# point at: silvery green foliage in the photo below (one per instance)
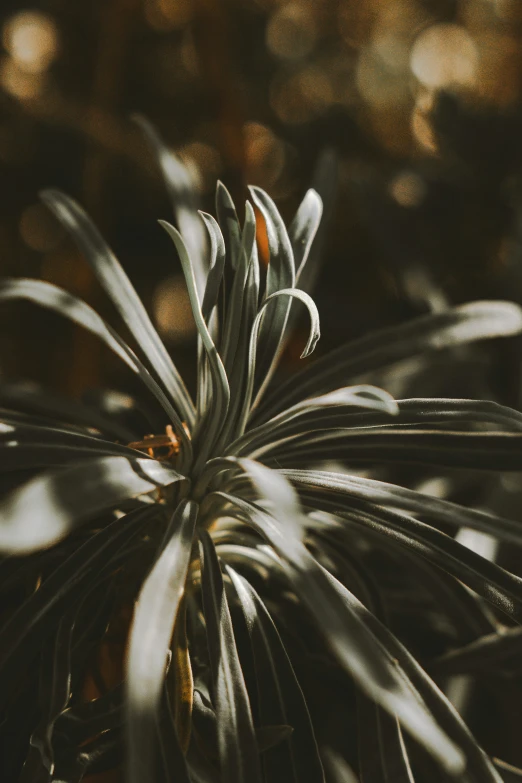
(229, 534)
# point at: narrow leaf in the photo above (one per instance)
(233, 319)
(236, 736)
(54, 298)
(464, 324)
(229, 223)
(280, 275)
(429, 507)
(118, 286)
(182, 191)
(47, 508)
(309, 415)
(255, 334)
(216, 414)
(279, 693)
(471, 450)
(21, 635)
(150, 637)
(498, 586)
(217, 265)
(303, 228)
(350, 640)
(478, 764)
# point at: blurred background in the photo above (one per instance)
(415, 103)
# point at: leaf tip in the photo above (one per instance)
(49, 195)
(137, 118)
(311, 344)
(166, 225)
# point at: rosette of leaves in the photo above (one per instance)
(214, 553)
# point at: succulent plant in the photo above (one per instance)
(162, 589)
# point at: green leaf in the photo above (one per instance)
(350, 640)
(236, 736)
(325, 182)
(24, 447)
(242, 313)
(338, 769)
(281, 269)
(478, 764)
(304, 227)
(229, 223)
(118, 286)
(463, 609)
(208, 428)
(55, 685)
(430, 508)
(376, 730)
(443, 414)
(217, 266)
(317, 203)
(374, 352)
(498, 586)
(280, 276)
(209, 303)
(488, 653)
(215, 275)
(204, 723)
(151, 632)
(469, 450)
(422, 413)
(89, 718)
(382, 753)
(174, 764)
(182, 192)
(255, 335)
(54, 298)
(310, 414)
(235, 306)
(280, 697)
(40, 406)
(510, 773)
(32, 622)
(46, 509)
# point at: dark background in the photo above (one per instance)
(418, 99)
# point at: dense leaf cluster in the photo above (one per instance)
(167, 596)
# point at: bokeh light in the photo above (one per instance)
(499, 76)
(21, 84)
(164, 15)
(445, 55)
(265, 154)
(204, 162)
(188, 53)
(302, 95)
(39, 229)
(393, 51)
(508, 10)
(31, 38)
(408, 189)
(291, 31)
(421, 127)
(172, 310)
(379, 84)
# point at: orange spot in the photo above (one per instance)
(168, 441)
(262, 238)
